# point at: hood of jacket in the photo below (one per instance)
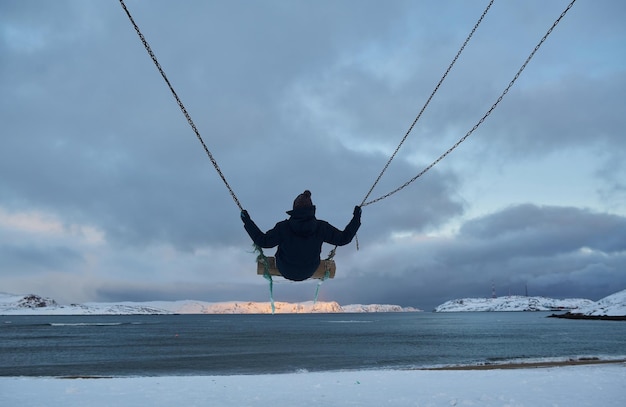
(302, 221)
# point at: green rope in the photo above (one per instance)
(319, 283)
(268, 277)
(326, 273)
(266, 273)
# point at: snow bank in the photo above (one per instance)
(573, 386)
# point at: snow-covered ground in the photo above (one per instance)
(571, 386)
(11, 304)
(614, 305)
(513, 303)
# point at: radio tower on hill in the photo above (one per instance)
(493, 290)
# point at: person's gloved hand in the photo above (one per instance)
(245, 216)
(357, 212)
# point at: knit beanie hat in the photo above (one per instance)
(303, 200)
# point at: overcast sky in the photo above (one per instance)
(106, 194)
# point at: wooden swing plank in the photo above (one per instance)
(319, 273)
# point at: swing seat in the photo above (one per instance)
(319, 273)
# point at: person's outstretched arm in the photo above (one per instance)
(343, 237)
(264, 240)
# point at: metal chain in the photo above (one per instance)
(428, 101)
(180, 104)
(506, 90)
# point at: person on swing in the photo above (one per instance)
(299, 238)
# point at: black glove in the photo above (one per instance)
(244, 216)
(357, 212)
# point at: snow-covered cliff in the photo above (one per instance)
(11, 304)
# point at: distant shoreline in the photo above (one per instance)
(569, 315)
(530, 365)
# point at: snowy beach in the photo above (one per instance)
(567, 386)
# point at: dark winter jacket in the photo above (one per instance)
(299, 240)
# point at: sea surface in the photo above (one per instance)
(155, 345)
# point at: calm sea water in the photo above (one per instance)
(261, 344)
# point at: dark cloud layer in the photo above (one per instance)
(549, 251)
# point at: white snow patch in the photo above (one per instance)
(572, 386)
(512, 303)
(614, 305)
(11, 304)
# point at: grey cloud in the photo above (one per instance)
(550, 229)
(293, 96)
(553, 251)
(31, 260)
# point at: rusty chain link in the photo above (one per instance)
(180, 104)
(462, 139)
(364, 203)
(428, 101)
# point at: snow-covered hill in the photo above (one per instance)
(512, 303)
(31, 304)
(612, 306)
